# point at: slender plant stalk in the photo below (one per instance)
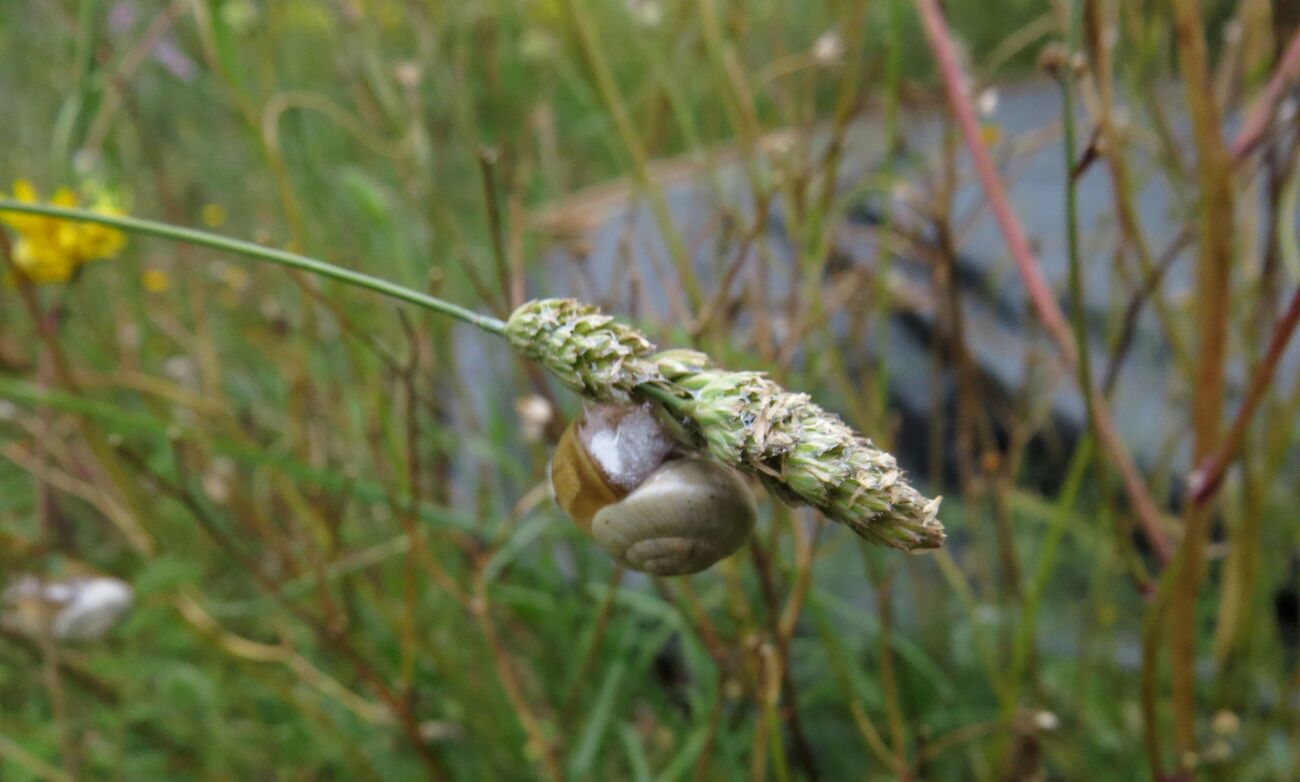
(1062, 514)
(894, 12)
(270, 254)
(94, 439)
(15, 753)
(803, 751)
(607, 86)
(1040, 293)
(1113, 143)
(487, 164)
(1212, 296)
(888, 675)
(540, 746)
(1075, 253)
(1208, 476)
(1153, 631)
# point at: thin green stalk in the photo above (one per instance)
(1078, 321)
(270, 254)
(607, 86)
(885, 254)
(1061, 515)
(1113, 149)
(21, 757)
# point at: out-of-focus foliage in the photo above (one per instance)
(344, 560)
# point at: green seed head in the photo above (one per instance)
(801, 453)
(593, 354)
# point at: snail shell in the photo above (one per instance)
(81, 608)
(618, 475)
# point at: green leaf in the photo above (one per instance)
(597, 723)
(165, 574)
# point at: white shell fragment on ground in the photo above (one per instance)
(72, 609)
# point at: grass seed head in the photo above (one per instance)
(799, 451)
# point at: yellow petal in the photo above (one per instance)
(41, 263)
(64, 197)
(24, 190)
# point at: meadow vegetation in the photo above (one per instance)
(332, 507)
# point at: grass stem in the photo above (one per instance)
(284, 258)
(1040, 292)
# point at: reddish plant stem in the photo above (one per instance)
(1040, 292)
(1261, 113)
(1207, 477)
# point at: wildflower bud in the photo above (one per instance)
(828, 49)
(799, 451)
(534, 412)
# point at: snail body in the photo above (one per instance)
(622, 480)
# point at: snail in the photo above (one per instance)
(79, 608)
(622, 479)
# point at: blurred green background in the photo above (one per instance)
(345, 562)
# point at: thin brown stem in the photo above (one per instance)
(1213, 298)
(803, 752)
(1148, 291)
(541, 746)
(888, 675)
(1208, 475)
(487, 164)
(1040, 293)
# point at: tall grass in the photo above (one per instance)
(345, 559)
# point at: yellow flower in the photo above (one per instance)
(24, 224)
(156, 281)
(96, 242)
(213, 215)
(41, 262)
(51, 250)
